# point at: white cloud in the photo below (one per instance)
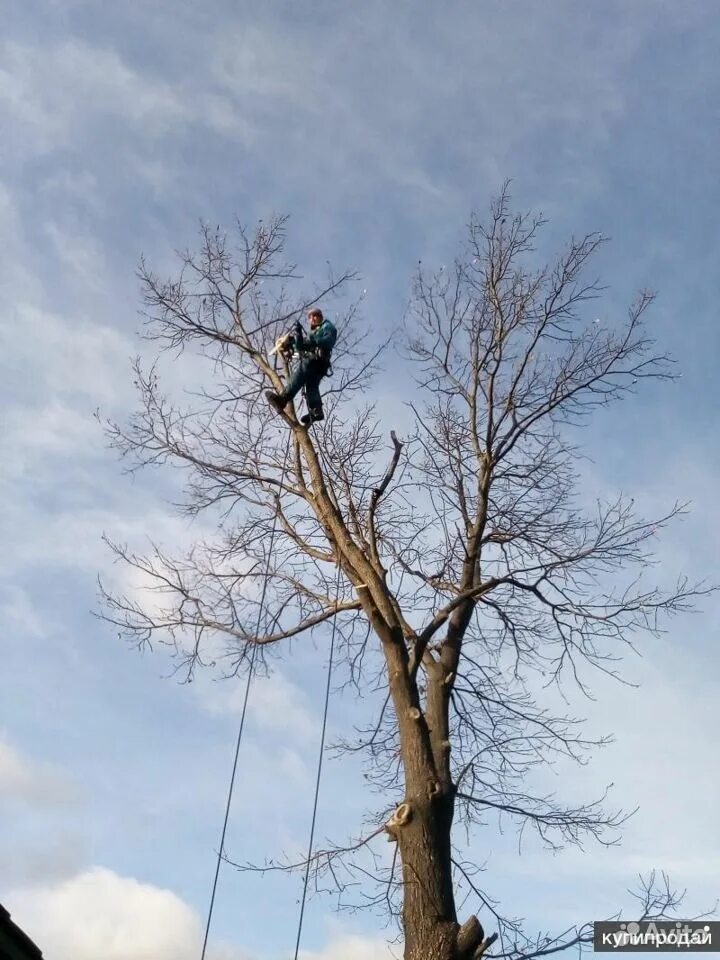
(53, 854)
(55, 92)
(101, 914)
(34, 436)
(17, 279)
(98, 913)
(280, 704)
(260, 63)
(666, 742)
(275, 703)
(52, 90)
(354, 948)
(662, 763)
(30, 783)
(17, 610)
(363, 135)
(71, 538)
(78, 358)
(79, 255)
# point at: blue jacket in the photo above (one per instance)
(323, 337)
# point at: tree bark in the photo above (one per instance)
(429, 917)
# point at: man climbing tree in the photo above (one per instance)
(314, 355)
(464, 564)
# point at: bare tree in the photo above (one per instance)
(459, 563)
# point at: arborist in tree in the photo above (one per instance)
(313, 350)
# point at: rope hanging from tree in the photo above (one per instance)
(241, 727)
(319, 770)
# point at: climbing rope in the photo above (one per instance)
(251, 669)
(241, 728)
(319, 768)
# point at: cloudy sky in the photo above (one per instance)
(378, 127)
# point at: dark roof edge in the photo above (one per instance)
(18, 935)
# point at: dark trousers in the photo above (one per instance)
(308, 373)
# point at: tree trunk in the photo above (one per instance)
(429, 918)
(423, 822)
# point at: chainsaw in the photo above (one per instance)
(284, 346)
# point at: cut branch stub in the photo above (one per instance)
(401, 817)
(414, 713)
(470, 937)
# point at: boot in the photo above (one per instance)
(312, 416)
(276, 400)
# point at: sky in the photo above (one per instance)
(378, 127)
